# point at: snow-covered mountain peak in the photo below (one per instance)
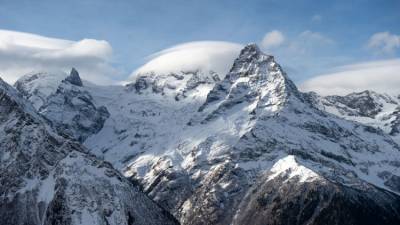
(248, 62)
(256, 80)
(250, 49)
(260, 69)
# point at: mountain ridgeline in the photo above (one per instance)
(242, 148)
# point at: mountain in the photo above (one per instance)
(48, 179)
(247, 149)
(368, 107)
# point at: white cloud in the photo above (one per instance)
(272, 39)
(381, 76)
(311, 36)
(305, 52)
(308, 42)
(21, 53)
(316, 18)
(203, 55)
(384, 43)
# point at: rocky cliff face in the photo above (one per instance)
(250, 148)
(47, 179)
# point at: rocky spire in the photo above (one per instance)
(74, 78)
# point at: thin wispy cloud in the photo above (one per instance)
(316, 37)
(316, 18)
(308, 42)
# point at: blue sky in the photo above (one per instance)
(318, 35)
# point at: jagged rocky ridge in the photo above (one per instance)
(367, 107)
(47, 179)
(249, 149)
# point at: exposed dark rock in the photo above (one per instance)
(318, 202)
(74, 78)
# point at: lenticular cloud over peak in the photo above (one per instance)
(200, 55)
(22, 53)
(381, 76)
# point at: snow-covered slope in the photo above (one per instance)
(148, 115)
(219, 151)
(38, 86)
(47, 179)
